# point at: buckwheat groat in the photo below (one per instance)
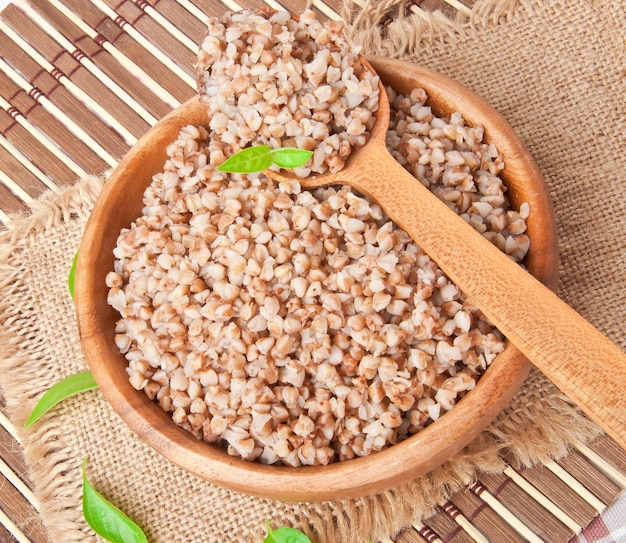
(268, 79)
(304, 327)
(451, 159)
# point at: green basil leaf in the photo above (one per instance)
(249, 160)
(290, 157)
(289, 535)
(70, 277)
(284, 535)
(106, 519)
(73, 384)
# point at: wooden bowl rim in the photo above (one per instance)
(349, 479)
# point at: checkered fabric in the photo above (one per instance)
(610, 527)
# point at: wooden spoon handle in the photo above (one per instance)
(575, 356)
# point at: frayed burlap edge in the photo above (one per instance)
(388, 29)
(71, 201)
(58, 489)
(538, 426)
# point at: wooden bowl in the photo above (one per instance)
(121, 202)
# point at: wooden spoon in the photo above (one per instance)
(574, 355)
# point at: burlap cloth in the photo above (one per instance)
(556, 71)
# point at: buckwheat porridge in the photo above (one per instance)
(304, 327)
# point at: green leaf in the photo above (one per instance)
(260, 157)
(249, 160)
(79, 382)
(106, 519)
(284, 535)
(70, 277)
(290, 157)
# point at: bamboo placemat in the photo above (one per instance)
(79, 83)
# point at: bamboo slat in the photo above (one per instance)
(19, 514)
(528, 511)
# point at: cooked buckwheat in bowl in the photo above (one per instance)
(294, 343)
